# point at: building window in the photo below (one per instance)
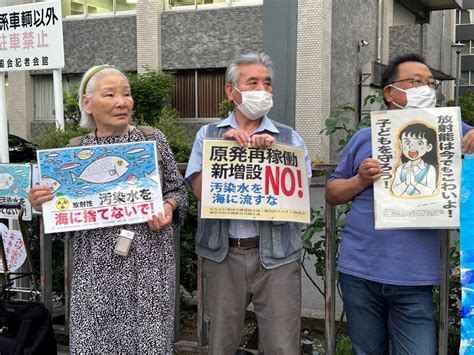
(465, 78)
(465, 17)
(468, 48)
(43, 97)
(44, 94)
(189, 4)
(85, 8)
(198, 93)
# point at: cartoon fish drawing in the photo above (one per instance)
(52, 155)
(104, 169)
(53, 184)
(68, 166)
(19, 171)
(131, 180)
(135, 151)
(6, 181)
(145, 156)
(85, 154)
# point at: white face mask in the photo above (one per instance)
(419, 97)
(255, 104)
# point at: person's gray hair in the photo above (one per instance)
(233, 71)
(88, 86)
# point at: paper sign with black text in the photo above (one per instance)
(420, 155)
(254, 184)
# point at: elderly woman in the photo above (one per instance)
(122, 305)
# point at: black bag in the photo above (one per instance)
(26, 328)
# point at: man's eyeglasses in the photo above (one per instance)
(417, 82)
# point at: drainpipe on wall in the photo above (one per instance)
(421, 39)
(379, 30)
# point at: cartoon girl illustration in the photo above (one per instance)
(416, 174)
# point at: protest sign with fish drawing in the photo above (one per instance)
(97, 186)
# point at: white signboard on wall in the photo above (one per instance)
(31, 37)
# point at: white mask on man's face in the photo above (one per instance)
(419, 97)
(255, 104)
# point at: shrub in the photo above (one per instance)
(72, 114)
(175, 134)
(53, 137)
(225, 107)
(151, 92)
(344, 346)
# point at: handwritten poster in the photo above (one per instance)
(15, 182)
(467, 257)
(420, 153)
(254, 184)
(14, 247)
(100, 186)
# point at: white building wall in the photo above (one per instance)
(313, 75)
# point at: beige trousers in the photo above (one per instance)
(231, 285)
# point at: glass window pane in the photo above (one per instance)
(125, 5)
(211, 3)
(465, 18)
(100, 7)
(466, 48)
(247, 2)
(203, 2)
(178, 3)
(72, 7)
(464, 80)
(44, 97)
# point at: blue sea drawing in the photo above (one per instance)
(467, 256)
(15, 182)
(82, 171)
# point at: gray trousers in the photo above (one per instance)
(231, 285)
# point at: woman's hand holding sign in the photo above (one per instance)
(38, 195)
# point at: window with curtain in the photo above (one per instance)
(43, 97)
